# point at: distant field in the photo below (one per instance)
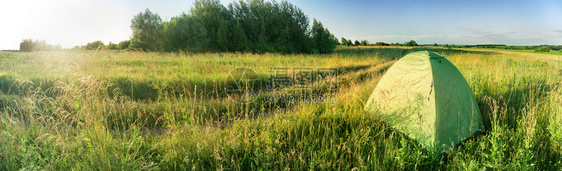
(105, 110)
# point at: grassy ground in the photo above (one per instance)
(101, 110)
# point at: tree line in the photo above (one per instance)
(28, 45)
(254, 26)
(539, 48)
(244, 26)
(536, 48)
(99, 45)
(349, 42)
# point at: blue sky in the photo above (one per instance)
(460, 22)
(70, 23)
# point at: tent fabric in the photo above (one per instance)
(425, 96)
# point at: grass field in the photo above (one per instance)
(105, 110)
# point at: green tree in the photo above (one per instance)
(223, 36)
(411, 43)
(435, 45)
(95, 45)
(178, 33)
(207, 16)
(39, 45)
(112, 46)
(542, 49)
(123, 45)
(324, 41)
(26, 45)
(252, 26)
(272, 26)
(344, 42)
(381, 44)
(356, 43)
(241, 42)
(146, 31)
(364, 42)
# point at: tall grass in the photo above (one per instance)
(133, 110)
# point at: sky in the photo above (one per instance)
(76, 22)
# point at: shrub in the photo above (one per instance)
(26, 45)
(95, 45)
(542, 49)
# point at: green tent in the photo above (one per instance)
(425, 96)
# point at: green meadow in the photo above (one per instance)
(111, 110)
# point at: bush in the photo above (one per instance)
(112, 46)
(124, 44)
(411, 43)
(28, 45)
(542, 49)
(95, 45)
(381, 44)
(364, 43)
